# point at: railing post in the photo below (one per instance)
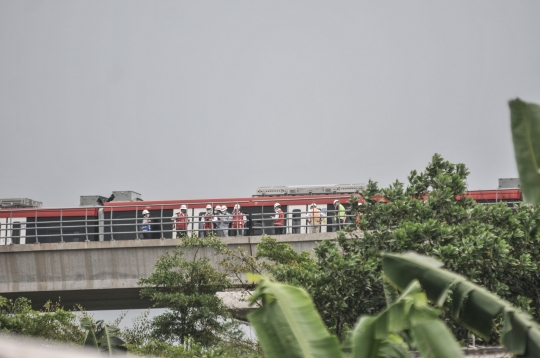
(111, 224)
(101, 224)
(86, 224)
(36, 228)
(11, 223)
(161, 222)
(262, 219)
(61, 228)
(137, 222)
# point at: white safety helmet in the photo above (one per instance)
(224, 208)
(313, 205)
(336, 201)
(144, 212)
(237, 206)
(218, 208)
(276, 205)
(209, 206)
(183, 207)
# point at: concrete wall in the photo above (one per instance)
(102, 275)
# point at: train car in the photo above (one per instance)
(43, 225)
(122, 220)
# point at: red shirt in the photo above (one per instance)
(280, 221)
(208, 221)
(238, 220)
(181, 221)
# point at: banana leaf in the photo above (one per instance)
(288, 325)
(111, 343)
(473, 305)
(525, 123)
(90, 339)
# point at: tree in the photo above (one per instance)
(496, 246)
(51, 322)
(287, 323)
(187, 288)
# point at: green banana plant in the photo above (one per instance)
(525, 123)
(288, 325)
(104, 337)
(472, 305)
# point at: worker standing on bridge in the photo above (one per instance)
(279, 220)
(146, 225)
(221, 220)
(238, 221)
(181, 220)
(340, 215)
(314, 219)
(208, 226)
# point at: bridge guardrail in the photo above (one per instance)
(107, 227)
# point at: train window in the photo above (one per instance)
(124, 227)
(16, 233)
(75, 238)
(296, 221)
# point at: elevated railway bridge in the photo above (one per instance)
(95, 254)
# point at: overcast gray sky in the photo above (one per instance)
(177, 99)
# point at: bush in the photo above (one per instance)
(496, 246)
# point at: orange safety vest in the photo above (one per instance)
(208, 221)
(281, 218)
(238, 220)
(181, 221)
(316, 216)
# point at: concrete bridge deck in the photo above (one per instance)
(102, 275)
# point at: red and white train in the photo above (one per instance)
(121, 220)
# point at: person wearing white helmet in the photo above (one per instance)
(222, 220)
(206, 220)
(340, 216)
(314, 218)
(146, 227)
(279, 220)
(181, 220)
(238, 221)
(215, 219)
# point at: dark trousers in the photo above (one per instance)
(279, 230)
(180, 233)
(340, 225)
(236, 232)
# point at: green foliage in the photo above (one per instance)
(188, 289)
(373, 336)
(102, 337)
(196, 322)
(191, 349)
(525, 122)
(496, 246)
(473, 305)
(288, 325)
(51, 322)
(282, 253)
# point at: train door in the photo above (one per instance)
(193, 225)
(324, 218)
(297, 219)
(12, 231)
(197, 224)
(3, 231)
(304, 221)
(18, 233)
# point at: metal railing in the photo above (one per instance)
(129, 225)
